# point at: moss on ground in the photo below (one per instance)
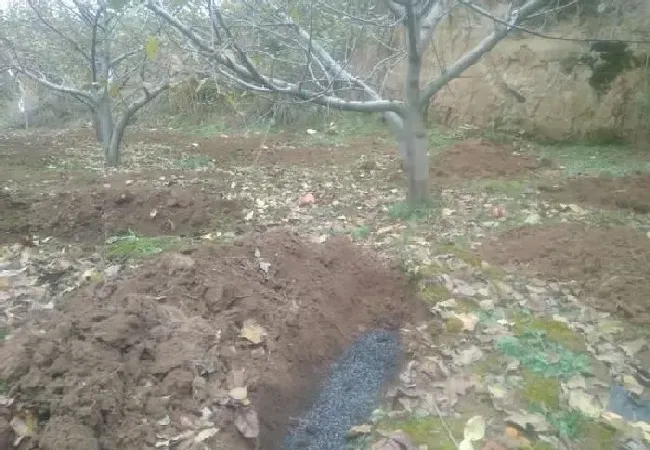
(454, 325)
(539, 390)
(434, 293)
(593, 435)
(491, 363)
(554, 330)
(429, 431)
(465, 254)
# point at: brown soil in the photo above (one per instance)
(93, 213)
(479, 159)
(108, 367)
(264, 150)
(605, 191)
(35, 149)
(611, 263)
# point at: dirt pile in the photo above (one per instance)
(95, 214)
(479, 159)
(610, 264)
(153, 358)
(606, 191)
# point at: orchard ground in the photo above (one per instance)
(189, 299)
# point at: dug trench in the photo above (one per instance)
(195, 347)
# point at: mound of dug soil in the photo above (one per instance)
(611, 263)
(162, 355)
(94, 214)
(606, 191)
(479, 159)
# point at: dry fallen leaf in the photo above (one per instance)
(247, 422)
(239, 393)
(359, 430)
(24, 426)
(511, 432)
(306, 199)
(466, 444)
(397, 440)
(498, 212)
(469, 355)
(523, 420)
(206, 434)
(468, 320)
(497, 391)
(252, 331)
(475, 429)
(494, 445)
(585, 403)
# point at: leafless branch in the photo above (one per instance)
(475, 54)
(247, 76)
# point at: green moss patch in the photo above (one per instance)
(465, 254)
(541, 391)
(429, 431)
(433, 293)
(454, 325)
(491, 363)
(553, 330)
(594, 435)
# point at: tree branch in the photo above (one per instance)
(148, 96)
(55, 87)
(249, 78)
(475, 54)
(75, 45)
(122, 57)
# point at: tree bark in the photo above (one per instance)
(105, 121)
(414, 133)
(112, 150)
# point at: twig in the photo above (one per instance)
(444, 424)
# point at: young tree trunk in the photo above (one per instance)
(414, 133)
(416, 163)
(105, 118)
(97, 125)
(112, 150)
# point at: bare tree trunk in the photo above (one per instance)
(97, 125)
(414, 134)
(113, 152)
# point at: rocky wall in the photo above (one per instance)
(549, 89)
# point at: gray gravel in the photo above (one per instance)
(349, 394)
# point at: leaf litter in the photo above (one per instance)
(342, 204)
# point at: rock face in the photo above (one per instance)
(549, 89)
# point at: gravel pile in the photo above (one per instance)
(349, 394)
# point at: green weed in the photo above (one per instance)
(403, 210)
(193, 162)
(360, 232)
(542, 356)
(553, 330)
(131, 245)
(615, 160)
